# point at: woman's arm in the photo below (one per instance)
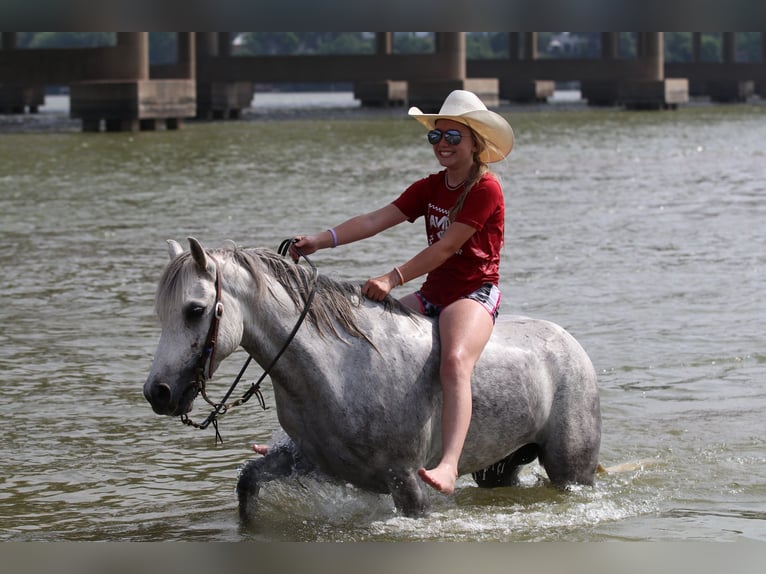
(368, 224)
(358, 227)
(425, 261)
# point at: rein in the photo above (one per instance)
(204, 370)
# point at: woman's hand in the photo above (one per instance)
(378, 287)
(306, 244)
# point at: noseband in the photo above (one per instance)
(204, 368)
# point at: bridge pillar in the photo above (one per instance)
(429, 94)
(696, 46)
(762, 78)
(136, 62)
(520, 88)
(382, 93)
(604, 91)
(220, 100)
(697, 87)
(126, 99)
(15, 98)
(649, 89)
(638, 84)
(730, 90)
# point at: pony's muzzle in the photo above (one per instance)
(160, 396)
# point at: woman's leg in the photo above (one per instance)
(411, 300)
(464, 329)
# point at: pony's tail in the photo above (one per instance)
(627, 466)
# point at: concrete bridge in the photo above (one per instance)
(115, 86)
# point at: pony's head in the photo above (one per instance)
(200, 327)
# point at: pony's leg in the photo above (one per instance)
(279, 462)
(506, 471)
(571, 469)
(570, 460)
(409, 495)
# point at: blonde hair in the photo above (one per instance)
(478, 169)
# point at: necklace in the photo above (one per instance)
(452, 187)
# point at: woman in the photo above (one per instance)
(464, 214)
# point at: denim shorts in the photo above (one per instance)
(488, 295)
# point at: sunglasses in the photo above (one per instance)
(453, 137)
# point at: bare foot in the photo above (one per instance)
(261, 449)
(442, 478)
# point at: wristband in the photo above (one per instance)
(399, 273)
(334, 237)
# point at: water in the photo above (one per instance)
(642, 233)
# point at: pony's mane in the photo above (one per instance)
(335, 302)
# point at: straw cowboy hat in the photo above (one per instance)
(466, 108)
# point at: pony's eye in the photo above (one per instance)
(194, 311)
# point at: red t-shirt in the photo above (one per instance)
(478, 260)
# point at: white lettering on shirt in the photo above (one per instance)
(438, 223)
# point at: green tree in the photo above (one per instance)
(478, 46)
(628, 47)
(301, 43)
(711, 47)
(346, 43)
(749, 46)
(267, 43)
(414, 43)
(499, 43)
(67, 39)
(678, 46)
(163, 47)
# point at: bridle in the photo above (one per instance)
(204, 366)
(204, 369)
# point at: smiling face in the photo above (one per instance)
(456, 158)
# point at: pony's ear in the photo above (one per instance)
(198, 254)
(174, 249)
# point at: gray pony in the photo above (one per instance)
(357, 389)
